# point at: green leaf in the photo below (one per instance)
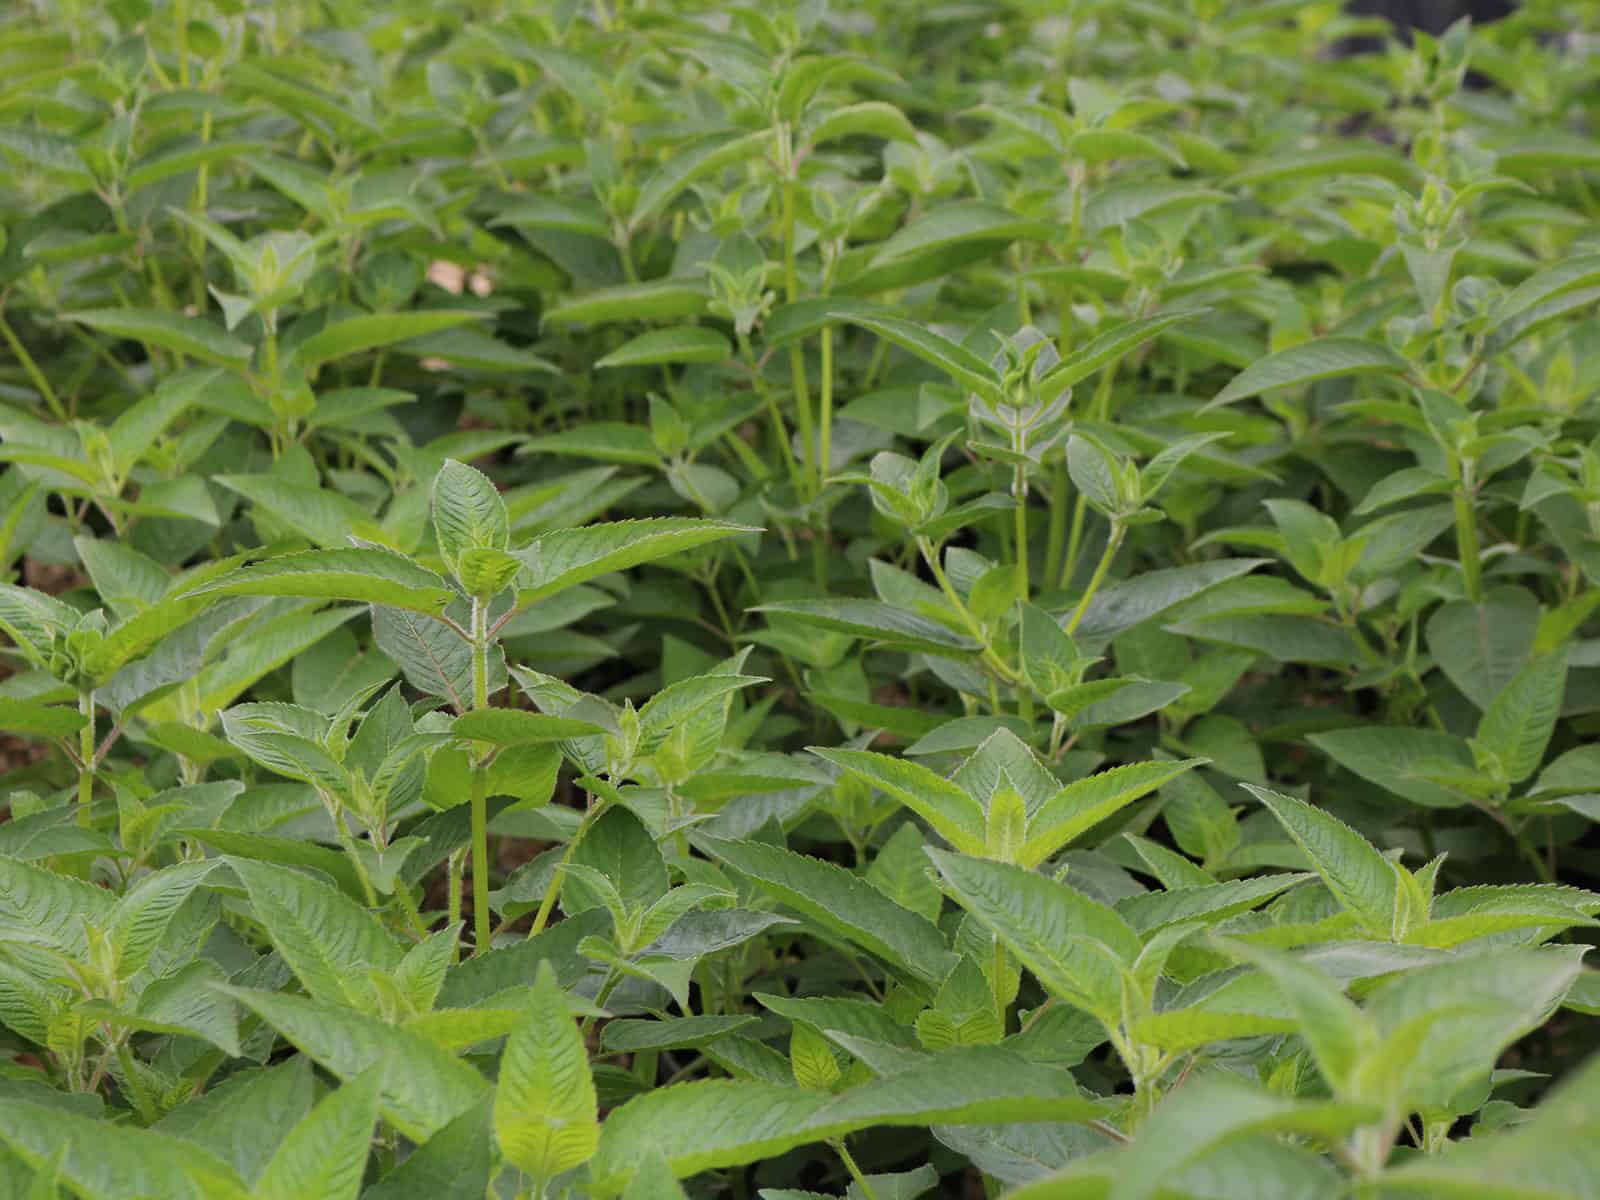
(454, 1164)
(545, 1111)
(1402, 760)
(1480, 647)
(1325, 358)
(100, 1160)
(1555, 1155)
(1082, 805)
(243, 1119)
(367, 575)
(685, 344)
(370, 331)
(1360, 878)
(808, 316)
(39, 720)
(657, 300)
(423, 1088)
(708, 1124)
(604, 441)
(320, 516)
(327, 939)
(710, 152)
(324, 1157)
(1108, 347)
(878, 622)
(1208, 1110)
(845, 906)
(433, 656)
(144, 912)
(870, 118)
(1519, 723)
(192, 336)
(1075, 946)
(518, 727)
(954, 814)
(1516, 314)
(565, 558)
(468, 513)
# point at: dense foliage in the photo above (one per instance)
(689, 600)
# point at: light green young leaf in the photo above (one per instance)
(708, 153)
(545, 1111)
(656, 300)
(518, 727)
(1107, 348)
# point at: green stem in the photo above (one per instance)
(180, 19)
(32, 368)
(86, 760)
(542, 917)
(855, 1171)
(791, 287)
(1113, 544)
(994, 662)
(454, 868)
(1467, 545)
(480, 862)
(480, 785)
(136, 1091)
(825, 402)
(1056, 536)
(1019, 492)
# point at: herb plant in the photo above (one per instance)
(666, 600)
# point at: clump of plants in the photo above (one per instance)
(664, 600)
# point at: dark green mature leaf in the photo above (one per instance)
(103, 1161)
(686, 344)
(808, 316)
(1404, 761)
(366, 575)
(356, 335)
(716, 1123)
(192, 336)
(326, 938)
(324, 1157)
(1326, 358)
(1076, 946)
(423, 1087)
(841, 904)
(565, 558)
